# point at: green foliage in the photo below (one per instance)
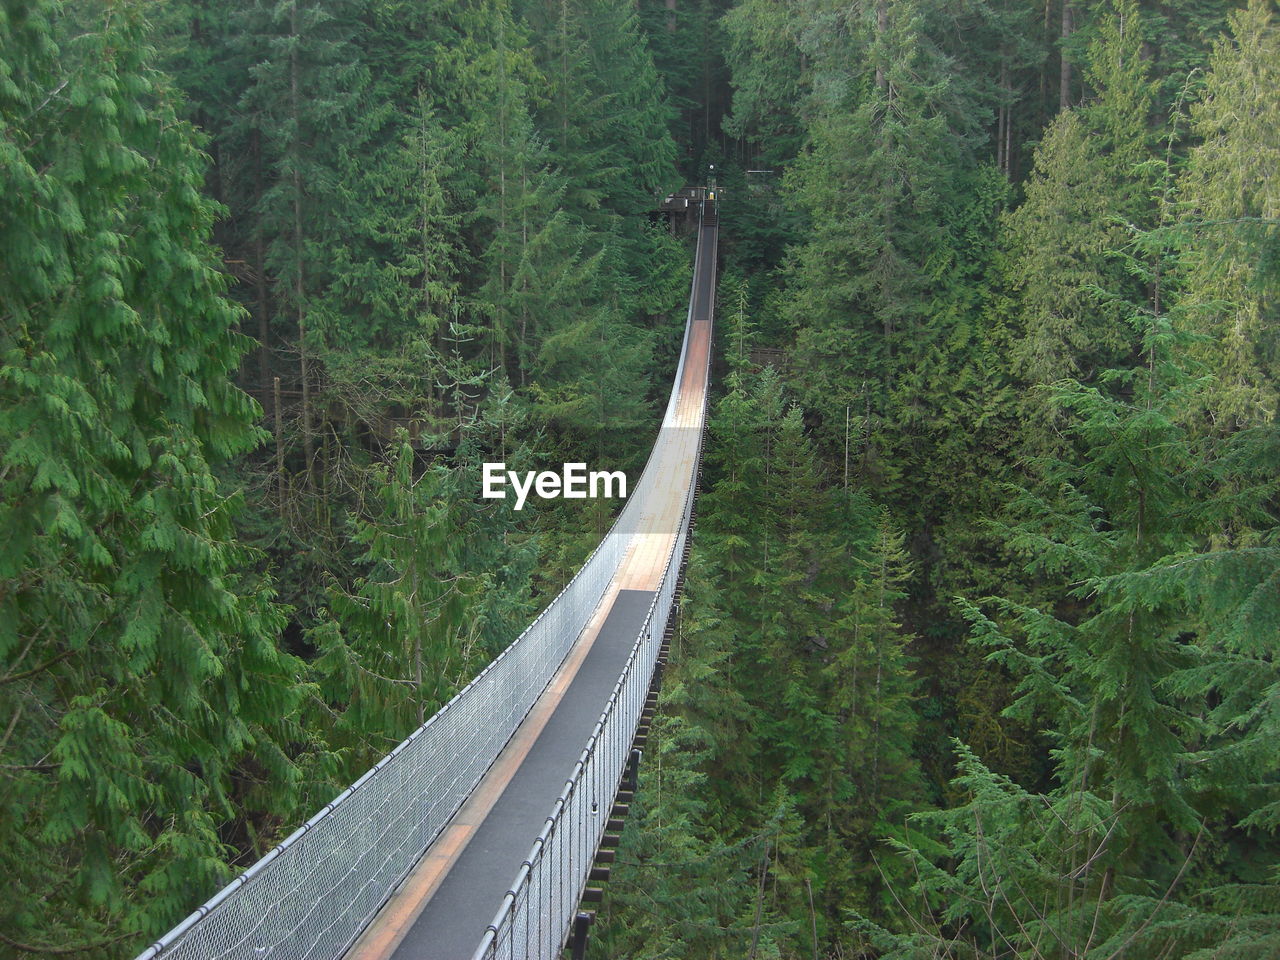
(400, 646)
(974, 349)
(1230, 219)
(797, 748)
(144, 700)
(681, 887)
(407, 241)
(1090, 186)
(1127, 850)
(767, 76)
(1062, 389)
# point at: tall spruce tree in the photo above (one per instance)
(768, 77)
(870, 689)
(308, 82)
(1118, 856)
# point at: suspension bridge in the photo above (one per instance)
(479, 836)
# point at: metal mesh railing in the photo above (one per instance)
(534, 920)
(311, 896)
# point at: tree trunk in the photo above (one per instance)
(426, 209)
(260, 284)
(522, 358)
(1002, 120)
(1044, 68)
(882, 25)
(308, 443)
(1064, 74)
(887, 146)
(496, 352)
(279, 418)
(1008, 142)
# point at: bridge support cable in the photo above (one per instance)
(311, 897)
(537, 915)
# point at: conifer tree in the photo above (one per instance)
(769, 81)
(681, 859)
(309, 83)
(149, 717)
(1089, 186)
(870, 685)
(1112, 857)
(739, 451)
(606, 114)
(1232, 208)
(407, 639)
(788, 599)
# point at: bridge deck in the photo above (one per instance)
(442, 909)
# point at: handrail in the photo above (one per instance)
(356, 850)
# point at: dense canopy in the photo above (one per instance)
(978, 657)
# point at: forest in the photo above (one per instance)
(978, 653)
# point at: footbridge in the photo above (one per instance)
(477, 836)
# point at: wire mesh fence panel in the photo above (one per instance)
(310, 897)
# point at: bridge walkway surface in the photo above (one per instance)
(442, 909)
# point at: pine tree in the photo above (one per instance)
(605, 116)
(789, 602)
(1113, 856)
(739, 453)
(309, 83)
(768, 77)
(870, 684)
(682, 885)
(885, 286)
(401, 645)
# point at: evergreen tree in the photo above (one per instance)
(870, 682)
(309, 81)
(1114, 857)
(606, 114)
(679, 860)
(149, 717)
(739, 452)
(1089, 187)
(407, 640)
(767, 68)
(1232, 204)
(885, 287)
